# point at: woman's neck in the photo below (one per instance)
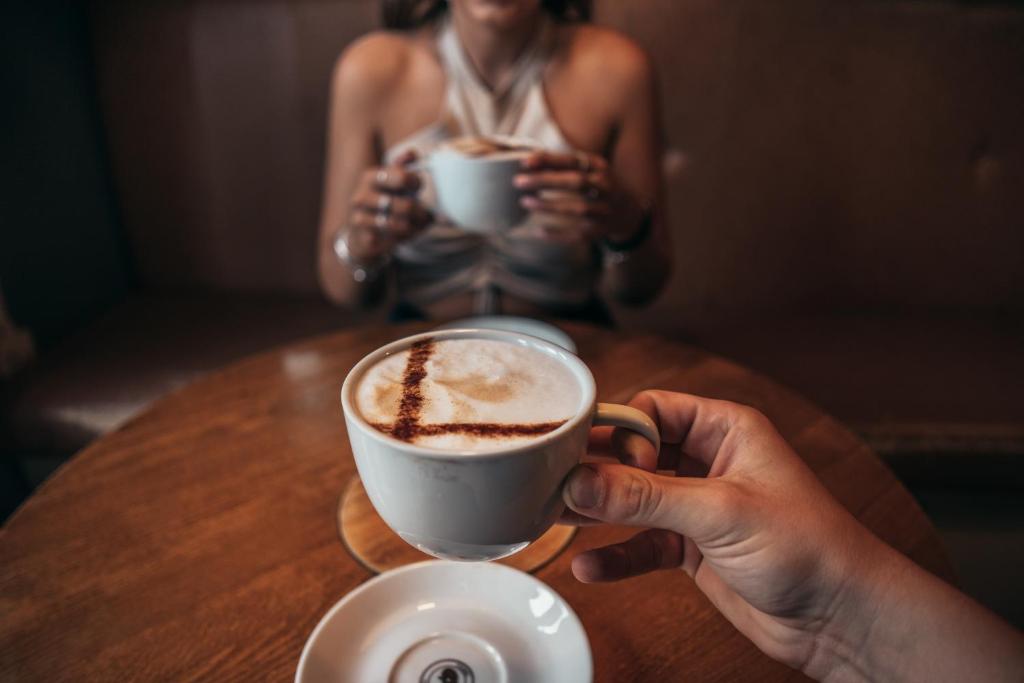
(493, 51)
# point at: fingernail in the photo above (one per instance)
(529, 202)
(585, 488)
(521, 180)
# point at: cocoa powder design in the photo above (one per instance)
(407, 426)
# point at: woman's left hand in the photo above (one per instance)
(576, 193)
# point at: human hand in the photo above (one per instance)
(741, 514)
(572, 193)
(385, 210)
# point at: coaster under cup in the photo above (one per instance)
(374, 545)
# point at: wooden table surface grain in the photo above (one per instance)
(198, 542)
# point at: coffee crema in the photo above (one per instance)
(479, 146)
(468, 394)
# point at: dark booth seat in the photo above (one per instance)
(913, 386)
(145, 347)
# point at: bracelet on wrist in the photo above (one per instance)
(361, 272)
(622, 248)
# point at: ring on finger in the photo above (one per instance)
(380, 221)
(384, 204)
(382, 176)
(583, 160)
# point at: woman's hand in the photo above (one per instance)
(385, 210)
(572, 193)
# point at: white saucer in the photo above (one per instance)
(449, 622)
(511, 323)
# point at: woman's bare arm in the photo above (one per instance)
(364, 79)
(637, 276)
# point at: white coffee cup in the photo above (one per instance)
(476, 192)
(477, 505)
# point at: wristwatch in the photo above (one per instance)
(617, 252)
(361, 272)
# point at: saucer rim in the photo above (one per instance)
(331, 613)
(472, 322)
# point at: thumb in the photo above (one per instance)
(626, 495)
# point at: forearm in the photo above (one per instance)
(637, 274)
(637, 279)
(900, 623)
(340, 285)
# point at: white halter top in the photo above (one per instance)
(444, 260)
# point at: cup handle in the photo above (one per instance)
(614, 415)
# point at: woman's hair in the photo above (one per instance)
(404, 14)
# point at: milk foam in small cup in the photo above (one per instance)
(463, 438)
(473, 180)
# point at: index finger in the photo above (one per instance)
(698, 425)
(558, 161)
(599, 442)
(395, 179)
(405, 158)
(609, 442)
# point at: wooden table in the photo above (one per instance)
(199, 542)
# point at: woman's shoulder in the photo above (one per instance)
(604, 68)
(376, 63)
(605, 54)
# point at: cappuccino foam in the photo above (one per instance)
(479, 146)
(468, 394)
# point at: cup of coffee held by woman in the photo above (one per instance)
(463, 438)
(473, 180)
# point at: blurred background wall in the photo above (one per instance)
(63, 259)
(882, 137)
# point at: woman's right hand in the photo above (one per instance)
(385, 210)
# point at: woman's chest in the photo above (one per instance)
(561, 101)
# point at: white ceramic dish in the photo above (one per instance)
(511, 323)
(448, 622)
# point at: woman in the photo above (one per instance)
(525, 68)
